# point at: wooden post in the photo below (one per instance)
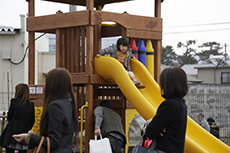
(89, 87)
(31, 67)
(89, 70)
(157, 45)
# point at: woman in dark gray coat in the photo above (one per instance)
(20, 119)
(58, 121)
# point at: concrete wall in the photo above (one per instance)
(213, 101)
(47, 61)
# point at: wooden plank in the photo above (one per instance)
(110, 31)
(31, 65)
(127, 20)
(75, 50)
(59, 20)
(68, 49)
(144, 34)
(64, 58)
(58, 48)
(72, 56)
(78, 39)
(97, 79)
(80, 78)
(83, 49)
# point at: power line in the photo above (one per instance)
(24, 56)
(195, 25)
(180, 32)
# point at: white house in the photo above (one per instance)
(14, 59)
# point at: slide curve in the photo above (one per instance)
(147, 100)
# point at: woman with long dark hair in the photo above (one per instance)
(58, 121)
(20, 119)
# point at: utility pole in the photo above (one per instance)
(225, 52)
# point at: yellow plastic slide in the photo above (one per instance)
(147, 100)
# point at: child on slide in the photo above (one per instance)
(123, 54)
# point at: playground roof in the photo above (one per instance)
(83, 2)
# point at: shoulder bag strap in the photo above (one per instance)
(40, 145)
(48, 144)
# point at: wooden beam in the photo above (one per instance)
(128, 21)
(31, 62)
(80, 78)
(144, 34)
(89, 4)
(59, 20)
(110, 31)
(157, 45)
(89, 87)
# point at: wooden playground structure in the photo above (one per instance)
(78, 39)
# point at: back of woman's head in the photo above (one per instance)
(122, 41)
(22, 91)
(173, 82)
(58, 84)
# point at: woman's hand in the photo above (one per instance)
(20, 137)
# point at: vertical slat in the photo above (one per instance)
(82, 95)
(75, 48)
(58, 48)
(78, 49)
(68, 58)
(65, 48)
(83, 36)
(72, 56)
(77, 109)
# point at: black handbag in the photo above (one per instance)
(141, 149)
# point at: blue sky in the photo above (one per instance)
(201, 20)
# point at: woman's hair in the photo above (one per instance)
(173, 82)
(58, 86)
(22, 91)
(122, 41)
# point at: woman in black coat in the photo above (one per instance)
(168, 126)
(59, 120)
(20, 119)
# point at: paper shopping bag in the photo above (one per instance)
(99, 146)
